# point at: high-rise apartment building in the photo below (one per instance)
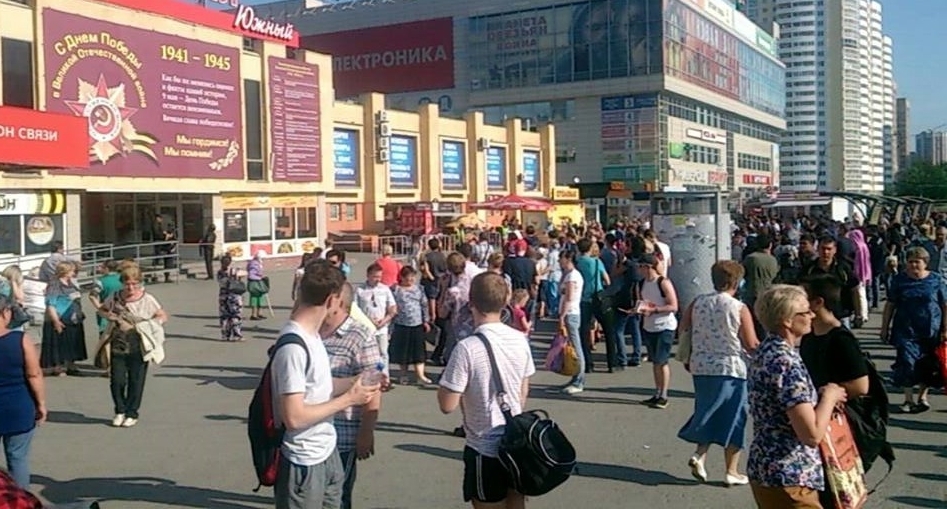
(902, 115)
(839, 93)
(931, 147)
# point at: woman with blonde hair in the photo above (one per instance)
(135, 338)
(789, 417)
(63, 328)
(721, 334)
(14, 284)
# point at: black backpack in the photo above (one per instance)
(535, 453)
(868, 417)
(660, 287)
(266, 437)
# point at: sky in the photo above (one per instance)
(920, 67)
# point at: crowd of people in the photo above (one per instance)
(773, 340)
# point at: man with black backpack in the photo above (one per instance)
(468, 377)
(305, 397)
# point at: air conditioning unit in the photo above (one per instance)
(384, 142)
(483, 144)
(384, 129)
(381, 116)
(384, 155)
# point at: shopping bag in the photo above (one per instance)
(844, 472)
(555, 353)
(570, 360)
(940, 352)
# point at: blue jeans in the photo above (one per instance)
(572, 329)
(16, 448)
(550, 291)
(629, 324)
(618, 331)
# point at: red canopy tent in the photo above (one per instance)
(514, 202)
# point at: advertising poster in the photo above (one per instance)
(700, 51)
(453, 165)
(345, 155)
(496, 168)
(579, 41)
(403, 164)
(294, 121)
(405, 57)
(531, 170)
(157, 105)
(630, 137)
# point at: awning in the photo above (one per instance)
(803, 203)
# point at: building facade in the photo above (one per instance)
(931, 147)
(839, 93)
(903, 127)
(652, 94)
(199, 121)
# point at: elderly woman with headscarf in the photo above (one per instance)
(258, 285)
(862, 273)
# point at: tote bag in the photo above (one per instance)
(844, 472)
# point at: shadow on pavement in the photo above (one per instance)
(926, 476)
(59, 417)
(147, 489)
(630, 474)
(246, 380)
(935, 427)
(226, 418)
(191, 336)
(410, 429)
(195, 317)
(431, 451)
(918, 502)
(941, 450)
(642, 391)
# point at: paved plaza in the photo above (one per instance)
(190, 448)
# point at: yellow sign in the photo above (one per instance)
(616, 186)
(265, 202)
(561, 193)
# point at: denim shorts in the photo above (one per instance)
(659, 345)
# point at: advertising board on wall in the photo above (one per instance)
(453, 165)
(404, 57)
(496, 168)
(345, 156)
(629, 136)
(403, 165)
(158, 105)
(47, 140)
(531, 177)
(295, 120)
(577, 41)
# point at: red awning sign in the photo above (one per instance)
(41, 139)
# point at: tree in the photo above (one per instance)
(924, 180)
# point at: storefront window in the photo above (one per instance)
(260, 223)
(335, 211)
(10, 235)
(235, 226)
(350, 212)
(285, 223)
(306, 222)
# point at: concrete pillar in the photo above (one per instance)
(73, 234)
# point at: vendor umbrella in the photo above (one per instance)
(514, 202)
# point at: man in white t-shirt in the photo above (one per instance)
(305, 401)
(467, 383)
(378, 303)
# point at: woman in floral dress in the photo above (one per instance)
(789, 417)
(230, 304)
(409, 326)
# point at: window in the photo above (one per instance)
(306, 220)
(285, 223)
(235, 226)
(253, 128)
(335, 211)
(41, 232)
(10, 235)
(17, 59)
(260, 223)
(350, 212)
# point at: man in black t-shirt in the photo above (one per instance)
(830, 263)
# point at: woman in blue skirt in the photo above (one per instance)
(722, 333)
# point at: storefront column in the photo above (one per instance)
(73, 234)
(217, 216)
(322, 223)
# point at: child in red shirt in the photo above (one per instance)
(520, 320)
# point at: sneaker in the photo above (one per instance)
(906, 407)
(572, 389)
(118, 420)
(697, 469)
(129, 422)
(736, 480)
(661, 403)
(921, 407)
(650, 401)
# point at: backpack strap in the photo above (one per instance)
(496, 381)
(289, 339)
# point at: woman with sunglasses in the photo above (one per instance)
(22, 395)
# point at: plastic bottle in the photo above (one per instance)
(373, 376)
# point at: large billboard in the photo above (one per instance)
(496, 168)
(345, 146)
(630, 138)
(294, 120)
(405, 57)
(453, 165)
(581, 41)
(157, 105)
(403, 165)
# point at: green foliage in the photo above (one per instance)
(922, 179)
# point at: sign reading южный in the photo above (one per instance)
(157, 105)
